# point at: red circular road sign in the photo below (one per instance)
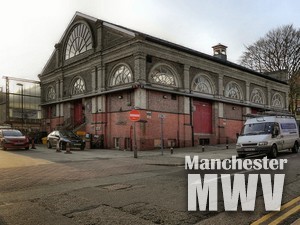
(134, 115)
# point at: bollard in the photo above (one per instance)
(226, 142)
(171, 150)
(58, 147)
(32, 144)
(202, 141)
(68, 150)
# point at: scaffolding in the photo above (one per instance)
(20, 103)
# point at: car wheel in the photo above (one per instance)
(295, 149)
(3, 147)
(273, 153)
(49, 144)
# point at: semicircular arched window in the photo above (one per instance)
(51, 94)
(78, 87)
(277, 100)
(202, 84)
(80, 40)
(163, 75)
(257, 96)
(233, 90)
(121, 75)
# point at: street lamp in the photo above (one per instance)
(22, 103)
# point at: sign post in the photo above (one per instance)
(134, 116)
(161, 116)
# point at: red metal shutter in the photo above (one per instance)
(203, 117)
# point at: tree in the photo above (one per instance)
(278, 50)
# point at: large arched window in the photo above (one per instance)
(203, 84)
(121, 75)
(51, 94)
(257, 96)
(277, 100)
(80, 40)
(164, 75)
(78, 86)
(233, 90)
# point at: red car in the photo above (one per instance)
(14, 139)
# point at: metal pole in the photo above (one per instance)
(22, 104)
(161, 135)
(134, 140)
(22, 96)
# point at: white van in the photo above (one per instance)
(268, 134)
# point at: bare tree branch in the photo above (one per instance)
(278, 50)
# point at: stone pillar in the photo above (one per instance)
(101, 79)
(57, 89)
(186, 77)
(140, 67)
(57, 55)
(186, 103)
(269, 97)
(221, 85)
(61, 88)
(140, 98)
(98, 104)
(99, 39)
(247, 97)
(94, 79)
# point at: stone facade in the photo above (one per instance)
(99, 72)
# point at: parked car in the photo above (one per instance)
(64, 137)
(13, 139)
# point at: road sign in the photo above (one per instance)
(134, 115)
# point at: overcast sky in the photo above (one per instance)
(31, 28)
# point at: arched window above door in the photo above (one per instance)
(233, 90)
(277, 100)
(121, 75)
(79, 41)
(257, 96)
(164, 75)
(202, 83)
(51, 94)
(78, 86)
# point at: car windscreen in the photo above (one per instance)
(257, 128)
(15, 133)
(66, 133)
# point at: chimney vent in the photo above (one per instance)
(220, 51)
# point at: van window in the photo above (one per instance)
(257, 128)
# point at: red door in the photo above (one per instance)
(202, 117)
(78, 112)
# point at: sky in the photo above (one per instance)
(31, 28)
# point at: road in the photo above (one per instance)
(43, 187)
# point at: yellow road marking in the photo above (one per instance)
(286, 215)
(283, 207)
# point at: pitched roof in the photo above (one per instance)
(167, 44)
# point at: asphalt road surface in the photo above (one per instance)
(118, 189)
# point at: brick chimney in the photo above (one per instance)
(220, 51)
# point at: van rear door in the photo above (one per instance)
(278, 136)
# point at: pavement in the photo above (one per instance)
(43, 155)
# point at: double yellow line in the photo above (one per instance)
(283, 216)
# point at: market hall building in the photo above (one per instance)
(100, 71)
